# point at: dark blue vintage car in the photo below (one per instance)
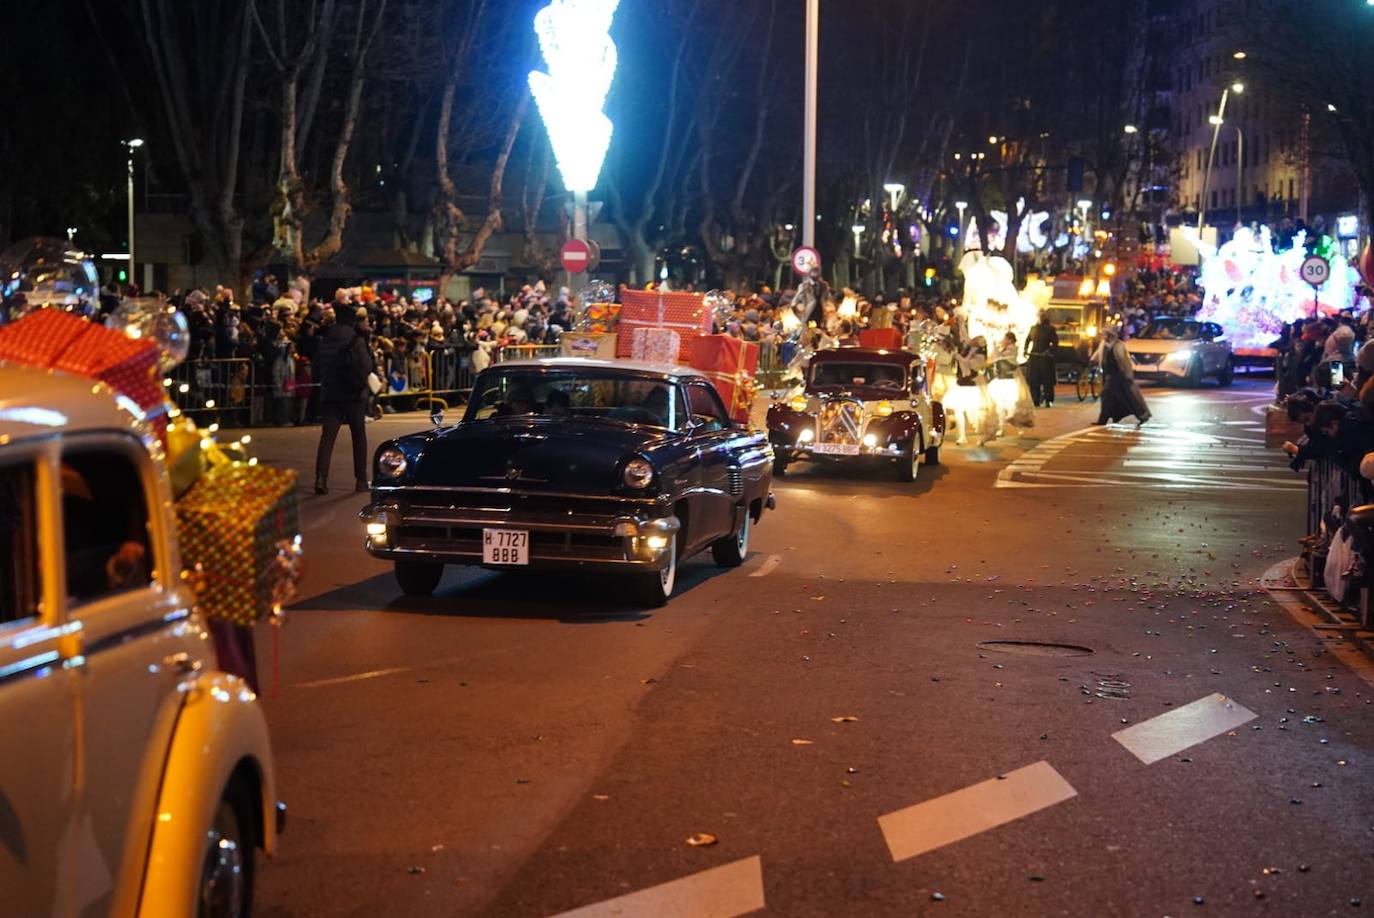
(573, 463)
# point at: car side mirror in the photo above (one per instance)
(436, 415)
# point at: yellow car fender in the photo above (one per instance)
(220, 727)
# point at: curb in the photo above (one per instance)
(1288, 585)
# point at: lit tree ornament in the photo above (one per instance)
(574, 37)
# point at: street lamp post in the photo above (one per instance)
(1216, 121)
(1240, 170)
(813, 14)
(131, 146)
(961, 206)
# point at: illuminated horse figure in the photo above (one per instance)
(574, 36)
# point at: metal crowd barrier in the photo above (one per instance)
(1329, 485)
(225, 388)
(1331, 494)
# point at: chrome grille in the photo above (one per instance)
(736, 482)
(840, 421)
(1147, 359)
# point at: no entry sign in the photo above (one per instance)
(576, 256)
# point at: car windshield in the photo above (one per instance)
(536, 392)
(832, 373)
(1172, 330)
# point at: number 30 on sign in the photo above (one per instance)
(1315, 270)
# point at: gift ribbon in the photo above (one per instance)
(745, 389)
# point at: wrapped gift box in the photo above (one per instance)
(587, 344)
(731, 365)
(235, 524)
(57, 340)
(656, 345)
(880, 338)
(684, 313)
(38, 339)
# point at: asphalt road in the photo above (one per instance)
(837, 714)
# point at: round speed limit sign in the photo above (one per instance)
(1315, 270)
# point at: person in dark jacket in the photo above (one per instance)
(342, 364)
(1041, 345)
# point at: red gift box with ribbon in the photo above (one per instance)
(684, 313)
(889, 338)
(51, 339)
(731, 365)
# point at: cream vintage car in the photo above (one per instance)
(136, 779)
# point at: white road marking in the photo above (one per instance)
(355, 677)
(721, 892)
(767, 566)
(966, 812)
(1171, 733)
(1164, 457)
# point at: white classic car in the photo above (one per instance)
(1182, 351)
(137, 779)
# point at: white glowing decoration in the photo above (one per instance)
(574, 36)
(995, 307)
(1033, 235)
(1251, 291)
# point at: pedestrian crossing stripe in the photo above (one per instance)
(1170, 458)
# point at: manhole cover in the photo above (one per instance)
(1036, 648)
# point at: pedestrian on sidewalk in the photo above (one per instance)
(342, 365)
(1041, 345)
(1121, 395)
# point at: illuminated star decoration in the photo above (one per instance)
(574, 36)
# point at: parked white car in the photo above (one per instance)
(1182, 351)
(137, 779)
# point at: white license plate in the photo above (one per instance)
(835, 449)
(505, 546)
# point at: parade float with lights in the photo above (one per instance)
(1253, 291)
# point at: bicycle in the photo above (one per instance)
(1089, 383)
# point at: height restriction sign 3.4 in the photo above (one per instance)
(576, 256)
(1315, 270)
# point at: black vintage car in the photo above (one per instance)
(572, 463)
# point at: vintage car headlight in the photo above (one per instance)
(884, 409)
(391, 462)
(870, 440)
(806, 436)
(638, 474)
(798, 403)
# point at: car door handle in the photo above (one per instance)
(182, 662)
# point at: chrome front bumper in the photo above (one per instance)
(631, 540)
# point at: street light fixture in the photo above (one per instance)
(894, 190)
(1216, 121)
(132, 145)
(1130, 129)
(858, 230)
(574, 38)
(1239, 55)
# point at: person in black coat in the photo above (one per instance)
(342, 364)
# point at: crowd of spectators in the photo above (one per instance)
(273, 339)
(1326, 383)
